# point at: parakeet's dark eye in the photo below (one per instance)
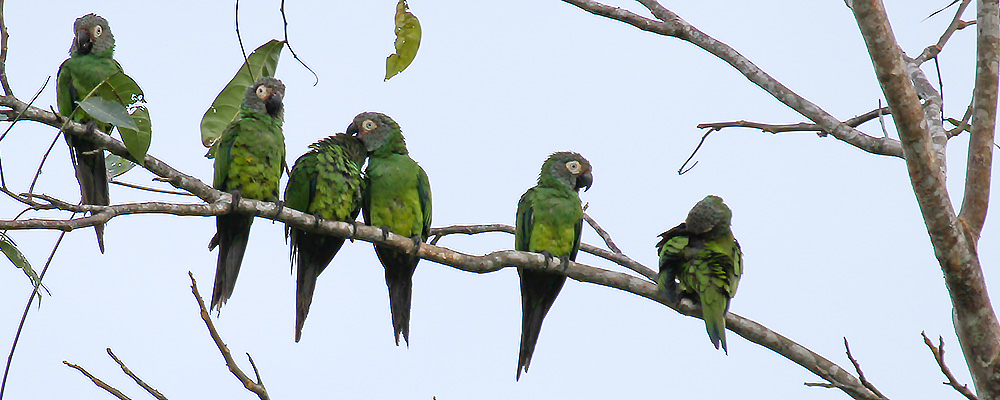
(261, 92)
(98, 30)
(573, 167)
(368, 125)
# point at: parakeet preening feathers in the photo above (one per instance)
(549, 221)
(325, 182)
(248, 163)
(89, 64)
(701, 259)
(397, 198)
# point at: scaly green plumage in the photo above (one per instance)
(397, 198)
(325, 182)
(549, 220)
(249, 161)
(89, 64)
(701, 258)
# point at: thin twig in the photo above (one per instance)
(256, 387)
(149, 189)
(246, 61)
(31, 188)
(4, 37)
(861, 375)
(681, 170)
(798, 127)
(30, 102)
(128, 372)
(602, 233)
(938, 353)
(881, 120)
(27, 307)
(117, 393)
(289, 44)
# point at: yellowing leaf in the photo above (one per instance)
(262, 62)
(407, 41)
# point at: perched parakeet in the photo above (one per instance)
(325, 182)
(701, 259)
(90, 62)
(249, 161)
(397, 198)
(549, 221)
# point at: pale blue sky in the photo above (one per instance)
(832, 236)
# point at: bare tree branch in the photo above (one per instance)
(602, 233)
(861, 375)
(799, 127)
(938, 353)
(255, 387)
(984, 120)
(115, 392)
(975, 319)
(4, 37)
(149, 189)
(672, 25)
(956, 24)
(137, 380)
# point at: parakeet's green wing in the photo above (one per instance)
(222, 157)
(301, 186)
(65, 92)
(424, 195)
(523, 223)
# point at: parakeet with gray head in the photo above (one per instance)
(702, 260)
(90, 62)
(325, 182)
(249, 161)
(397, 198)
(549, 221)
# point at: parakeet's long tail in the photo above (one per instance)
(713, 308)
(314, 252)
(88, 161)
(538, 292)
(232, 235)
(399, 268)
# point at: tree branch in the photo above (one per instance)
(4, 37)
(984, 120)
(155, 393)
(799, 127)
(115, 392)
(938, 353)
(861, 375)
(672, 25)
(602, 233)
(956, 24)
(255, 387)
(975, 320)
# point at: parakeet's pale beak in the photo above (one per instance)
(83, 42)
(273, 104)
(584, 181)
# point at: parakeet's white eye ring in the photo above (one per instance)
(368, 124)
(573, 167)
(261, 92)
(98, 30)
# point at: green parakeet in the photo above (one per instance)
(327, 183)
(90, 62)
(701, 259)
(397, 198)
(549, 221)
(249, 161)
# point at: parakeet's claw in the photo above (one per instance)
(319, 220)
(548, 256)
(280, 206)
(417, 240)
(236, 200)
(90, 127)
(354, 230)
(385, 233)
(564, 262)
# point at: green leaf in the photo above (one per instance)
(407, 41)
(15, 256)
(108, 112)
(120, 88)
(117, 165)
(225, 108)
